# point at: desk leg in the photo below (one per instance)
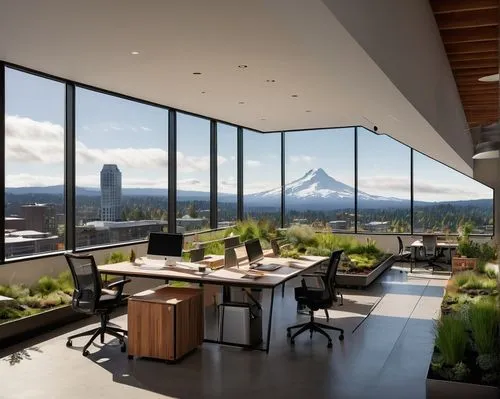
(270, 319)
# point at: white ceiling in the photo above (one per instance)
(298, 43)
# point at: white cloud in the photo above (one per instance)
(252, 164)
(29, 180)
(146, 129)
(301, 158)
(232, 158)
(29, 141)
(189, 182)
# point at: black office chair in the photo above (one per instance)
(318, 295)
(91, 298)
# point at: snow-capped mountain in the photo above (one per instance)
(316, 186)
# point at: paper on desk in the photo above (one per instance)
(172, 301)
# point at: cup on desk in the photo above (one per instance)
(202, 268)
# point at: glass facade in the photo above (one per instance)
(122, 175)
(121, 169)
(34, 211)
(384, 184)
(262, 176)
(320, 188)
(193, 173)
(227, 174)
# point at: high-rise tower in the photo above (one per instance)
(111, 193)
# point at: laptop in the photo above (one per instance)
(255, 254)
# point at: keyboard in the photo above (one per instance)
(267, 267)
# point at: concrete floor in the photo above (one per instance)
(387, 356)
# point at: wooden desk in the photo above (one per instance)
(231, 277)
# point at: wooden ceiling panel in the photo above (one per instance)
(470, 33)
(446, 6)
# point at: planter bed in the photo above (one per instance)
(439, 388)
(361, 279)
(25, 327)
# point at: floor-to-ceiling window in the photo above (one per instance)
(227, 143)
(262, 175)
(445, 199)
(384, 184)
(193, 173)
(34, 164)
(121, 169)
(319, 189)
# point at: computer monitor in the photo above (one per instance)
(166, 246)
(254, 251)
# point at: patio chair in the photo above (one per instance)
(89, 297)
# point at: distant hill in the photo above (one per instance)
(316, 190)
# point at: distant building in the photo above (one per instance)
(106, 232)
(40, 217)
(28, 242)
(377, 227)
(188, 223)
(338, 224)
(300, 221)
(14, 223)
(111, 193)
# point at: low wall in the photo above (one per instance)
(29, 271)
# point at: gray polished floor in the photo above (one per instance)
(387, 356)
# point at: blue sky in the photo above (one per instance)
(133, 135)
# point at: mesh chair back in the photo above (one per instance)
(197, 254)
(230, 242)
(331, 272)
(230, 258)
(429, 242)
(87, 280)
(275, 247)
(400, 243)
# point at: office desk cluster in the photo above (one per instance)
(444, 246)
(226, 277)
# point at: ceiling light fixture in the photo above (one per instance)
(271, 80)
(242, 66)
(489, 78)
(203, 92)
(134, 52)
(295, 95)
(488, 145)
(263, 119)
(241, 102)
(196, 73)
(308, 110)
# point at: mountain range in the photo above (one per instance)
(315, 190)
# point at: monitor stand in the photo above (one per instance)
(172, 260)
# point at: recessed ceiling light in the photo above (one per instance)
(242, 66)
(241, 102)
(203, 92)
(295, 95)
(308, 110)
(196, 73)
(489, 78)
(271, 80)
(263, 119)
(134, 52)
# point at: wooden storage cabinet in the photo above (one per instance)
(165, 323)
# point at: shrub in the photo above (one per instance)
(14, 291)
(301, 236)
(249, 229)
(65, 282)
(451, 339)
(214, 248)
(116, 257)
(46, 285)
(487, 252)
(483, 319)
(460, 372)
(490, 273)
(487, 362)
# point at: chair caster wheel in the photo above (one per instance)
(69, 344)
(85, 353)
(123, 348)
(130, 357)
(341, 337)
(292, 342)
(329, 345)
